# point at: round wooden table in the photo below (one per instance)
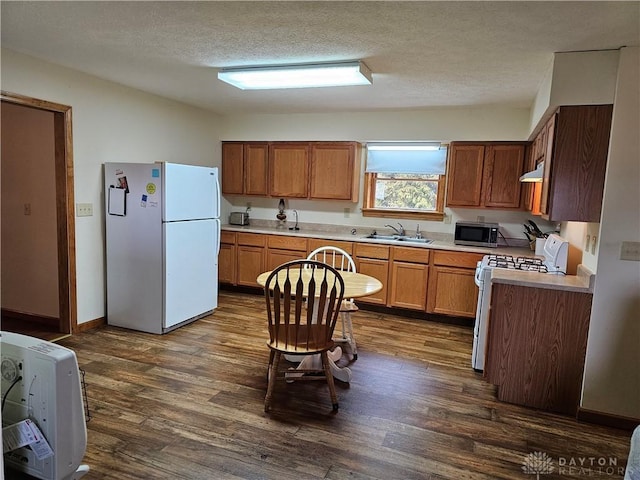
(356, 285)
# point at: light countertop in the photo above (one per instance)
(440, 241)
(583, 282)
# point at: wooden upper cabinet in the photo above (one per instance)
(575, 164)
(503, 166)
(335, 171)
(289, 169)
(485, 175)
(464, 178)
(244, 168)
(256, 163)
(232, 168)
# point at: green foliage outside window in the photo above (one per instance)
(406, 191)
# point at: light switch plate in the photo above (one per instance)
(84, 209)
(630, 251)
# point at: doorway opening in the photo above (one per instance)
(51, 328)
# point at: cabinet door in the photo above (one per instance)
(548, 160)
(464, 177)
(408, 285)
(334, 175)
(232, 168)
(289, 170)
(275, 258)
(255, 168)
(320, 242)
(452, 291)
(250, 264)
(227, 264)
(503, 166)
(377, 269)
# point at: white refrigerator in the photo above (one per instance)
(162, 244)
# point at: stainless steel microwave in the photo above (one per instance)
(476, 234)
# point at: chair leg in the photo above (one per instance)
(273, 372)
(329, 375)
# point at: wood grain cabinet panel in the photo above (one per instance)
(503, 166)
(536, 345)
(408, 285)
(244, 168)
(314, 243)
(282, 249)
(375, 268)
(250, 258)
(335, 172)
(227, 264)
(289, 169)
(452, 291)
(575, 163)
(464, 175)
(485, 175)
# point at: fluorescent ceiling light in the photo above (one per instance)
(403, 146)
(297, 76)
(534, 175)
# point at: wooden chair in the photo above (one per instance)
(342, 261)
(303, 298)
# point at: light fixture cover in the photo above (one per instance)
(534, 175)
(297, 76)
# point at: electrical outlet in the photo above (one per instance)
(480, 218)
(593, 245)
(84, 209)
(630, 251)
(347, 212)
(447, 218)
(586, 247)
(27, 209)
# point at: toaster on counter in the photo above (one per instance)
(239, 218)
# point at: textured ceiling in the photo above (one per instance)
(422, 54)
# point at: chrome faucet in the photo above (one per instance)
(295, 227)
(399, 231)
(418, 232)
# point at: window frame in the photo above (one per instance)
(369, 209)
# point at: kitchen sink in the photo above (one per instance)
(399, 238)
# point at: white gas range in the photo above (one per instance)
(553, 261)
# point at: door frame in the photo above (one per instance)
(66, 236)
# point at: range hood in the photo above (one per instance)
(534, 175)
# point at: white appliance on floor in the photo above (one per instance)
(43, 415)
(162, 244)
(553, 261)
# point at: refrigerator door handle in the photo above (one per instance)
(218, 237)
(217, 189)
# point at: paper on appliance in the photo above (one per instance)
(25, 433)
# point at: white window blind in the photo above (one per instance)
(417, 158)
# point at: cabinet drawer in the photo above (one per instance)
(455, 259)
(409, 254)
(228, 237)
(287, 243)
(321, 242)
(371, 251)
(251, 239)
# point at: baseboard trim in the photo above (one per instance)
(91, 324)
(607, 419)
(52, 322)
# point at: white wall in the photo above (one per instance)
(111, 123)
(438, 124)
(576, 78)
(612, 371)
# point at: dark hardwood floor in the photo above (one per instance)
(189, 405)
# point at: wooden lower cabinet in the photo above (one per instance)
(250, 259)
(227, 264)
(452, 288)
(452, 291)
(375, 268)
(408, 285)
(536, 345)
(282, 249)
